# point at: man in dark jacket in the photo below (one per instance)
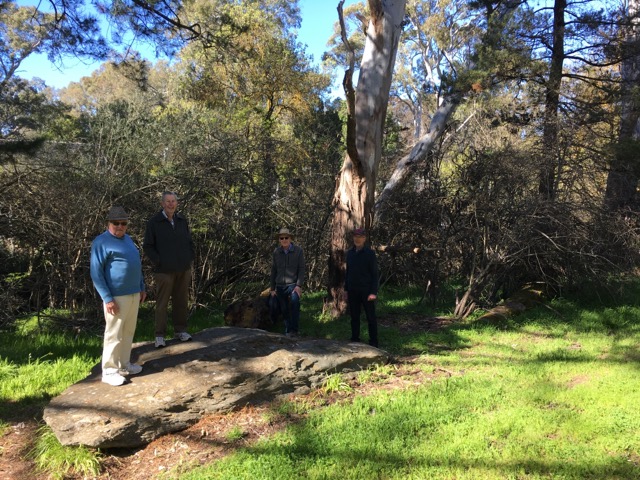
(287, 278)
(168, 245)
(361, 286)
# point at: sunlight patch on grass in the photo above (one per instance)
(335, 383)
(39, 378)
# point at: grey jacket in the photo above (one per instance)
(287, 268)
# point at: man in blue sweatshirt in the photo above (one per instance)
(116, 271)
(361, 286)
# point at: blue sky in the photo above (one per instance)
(318, 17)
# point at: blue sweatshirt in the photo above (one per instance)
(116, 268)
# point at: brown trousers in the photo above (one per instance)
(174, 287)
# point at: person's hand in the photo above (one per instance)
(298, 290)
(345, 296)
(143, 296)
(372, 297)
(112, 308)
(273, 293)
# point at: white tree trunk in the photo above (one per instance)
(367, 108)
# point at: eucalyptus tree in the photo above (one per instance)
(453, 53)
(441, 38)
(366, 114)
(24, 106)
(433, 54)
(622, 181)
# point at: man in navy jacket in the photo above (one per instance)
(361, 286)
(168, 245)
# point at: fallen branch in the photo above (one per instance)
(527, 297)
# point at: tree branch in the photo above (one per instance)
(349, 91)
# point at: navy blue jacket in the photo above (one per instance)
(169, 248)
(362, 271)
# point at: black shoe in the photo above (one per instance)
(355, 340)
(374, 344)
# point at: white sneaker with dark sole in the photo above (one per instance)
(130, 369)
(183, 336)
(160, 342)
(113, 379)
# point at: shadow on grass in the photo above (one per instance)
(566, 317)
(444, 466)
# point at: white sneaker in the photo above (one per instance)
(131, 369)
(160, 342)
(184, 336)
(113, 378)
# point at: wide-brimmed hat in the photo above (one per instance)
(117, 213)
(359, 232)
(283, 232)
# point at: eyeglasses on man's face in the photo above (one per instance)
(120, 224)
(284, 238)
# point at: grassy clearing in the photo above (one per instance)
(553, 393)
(550, 394)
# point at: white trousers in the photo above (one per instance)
(118, 333)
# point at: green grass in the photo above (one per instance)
(552, 393)
(58, 460)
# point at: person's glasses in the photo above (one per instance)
(284, 238)
(120, 224)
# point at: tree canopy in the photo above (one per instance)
(502, 153)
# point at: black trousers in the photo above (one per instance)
(357, 301)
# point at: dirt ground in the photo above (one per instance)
(213, 436)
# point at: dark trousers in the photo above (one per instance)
(356, 301)
(174, 287)
(289, 304)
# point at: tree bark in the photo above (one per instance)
(622, 181)
(353, 201)
(550, 168)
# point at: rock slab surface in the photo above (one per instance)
(221, 369)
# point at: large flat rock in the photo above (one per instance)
(220, 370)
